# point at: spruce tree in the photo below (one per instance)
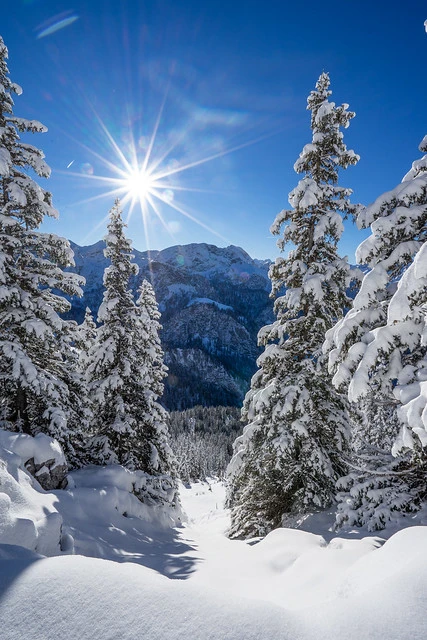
(379, 349)
(79, 410)
(410, 304)
(366, 358)
(125, 368)
(85, 337)
(290, 455)
(155, 451)
(86, 332)
(36, 392)
(149, 323)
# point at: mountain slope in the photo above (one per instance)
(213, 302)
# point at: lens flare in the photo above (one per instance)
(87, 169)
(56, 24)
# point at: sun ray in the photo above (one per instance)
(113, 143)
(214, 156)
(155, 130)
(141, 178)
(144, 216)
(172, 147)
(101, 196)
(191, 217)
(75, 174)
(158, 213)
(110, 165)
(133, 151)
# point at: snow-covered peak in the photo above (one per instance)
(93, 252)
(213, 301)
(207, 258)
(197, 258)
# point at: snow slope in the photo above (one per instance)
(194, 285)
(291, 585)
(291, 568)
(85, 598)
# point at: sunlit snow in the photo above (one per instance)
(292, 584)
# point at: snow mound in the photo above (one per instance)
(381, 596)
(41, 455)
(132, 493)
(300, 568)
(41, 448)
(28, 517)
(105, 512)
(78, 597)
(281, 548)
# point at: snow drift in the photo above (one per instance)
(382, 596)
(28, 516)
(292, 585)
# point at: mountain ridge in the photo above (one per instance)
(213, 301)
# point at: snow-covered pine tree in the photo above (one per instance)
(408, 310)
(86, 332)
(79, 410)
(155, 451)
(379, 347)
(149, 322)
(85, 336)
(378, 486)
(290, 455)
(35, 395)
(125, 368)
(410, 301)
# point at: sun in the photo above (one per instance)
(144, 180)
(139, 185)
(144, 175)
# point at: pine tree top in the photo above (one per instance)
(327, 152)
(314, 275)
(118, 298)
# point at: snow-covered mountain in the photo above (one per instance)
(213, 302)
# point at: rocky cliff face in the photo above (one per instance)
(213, 302)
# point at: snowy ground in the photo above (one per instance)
(293, 585)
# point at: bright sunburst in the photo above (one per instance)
(145, 178)
(138, 184)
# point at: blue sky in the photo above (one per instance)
(226, 85)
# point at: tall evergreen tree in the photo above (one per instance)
(149, 322)
(379, 349)
(85, 337)
(125, 368)
(290, 455)
(79, 410)
(36, 393)
(155, 451)
(364, 357)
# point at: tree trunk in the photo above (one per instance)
(22, 411)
